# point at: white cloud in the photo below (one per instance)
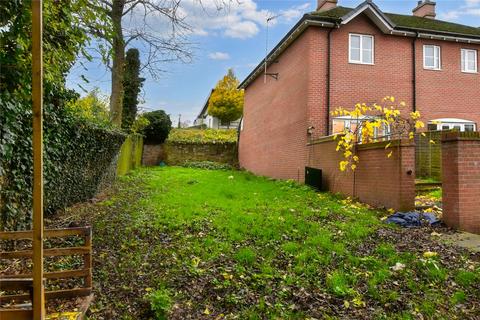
(241, 19)
(242, 30)
(295, 12)
(219, 56)
(472, 3)
(468, 8)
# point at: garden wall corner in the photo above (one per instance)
(379, 180)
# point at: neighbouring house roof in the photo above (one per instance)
(397, 24)
(203, 112)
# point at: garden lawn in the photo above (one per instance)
(183, 243)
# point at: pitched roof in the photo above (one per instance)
(203, 112)
(405, 22)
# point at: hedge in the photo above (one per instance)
(202, 136)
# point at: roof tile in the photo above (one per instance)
(406, 22)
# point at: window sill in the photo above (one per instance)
(361, 63)
(470, 72)
(432, 69)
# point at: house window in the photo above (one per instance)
(361, 48)
(355, 125)
(469, 61)
(432, 57)
(452, 124)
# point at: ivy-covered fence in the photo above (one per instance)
(80, 157)
(130, 154)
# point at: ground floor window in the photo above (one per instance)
(451, 124)
(340, 124)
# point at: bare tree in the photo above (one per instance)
(127, 21)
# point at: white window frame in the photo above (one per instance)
(350, 60)
(464, 55)
(435, 47)
(452, 123)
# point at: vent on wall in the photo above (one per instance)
(313, 178)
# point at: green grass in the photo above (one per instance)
(229, 244)
(435, 194)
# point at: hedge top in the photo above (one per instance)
(206, 136)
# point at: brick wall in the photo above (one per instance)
(448, 93)
(274, 136)
(178, 154)
(461, 181)
(391, 74)
(278, 113)
(153, 154)
(378, 180)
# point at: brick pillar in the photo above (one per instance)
(461, 180)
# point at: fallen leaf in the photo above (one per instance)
(398, 267)
(429, 254)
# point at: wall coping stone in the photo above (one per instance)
(460, 136)
(367, 146)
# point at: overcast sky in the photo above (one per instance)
(235, 38)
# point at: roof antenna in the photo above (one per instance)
(266, 49)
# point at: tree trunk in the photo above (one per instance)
(118, 62)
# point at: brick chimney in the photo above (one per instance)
(324, 5)
(425, 9)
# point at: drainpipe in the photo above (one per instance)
(414, 73)
(329, 72)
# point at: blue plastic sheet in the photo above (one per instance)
(413, 219)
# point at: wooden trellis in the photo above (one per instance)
(33, 285)
(22, 302)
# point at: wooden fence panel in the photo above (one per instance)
(428, 155)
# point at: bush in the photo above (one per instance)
(207, 165)
(202, 136)
(158, 128)
(160, 303)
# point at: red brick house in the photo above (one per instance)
(339, 56)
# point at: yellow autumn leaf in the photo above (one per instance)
(390, 154)
(227, 276)
(429, 254)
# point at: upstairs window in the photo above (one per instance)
(469, 61)
(361, 49)
(431, 57)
